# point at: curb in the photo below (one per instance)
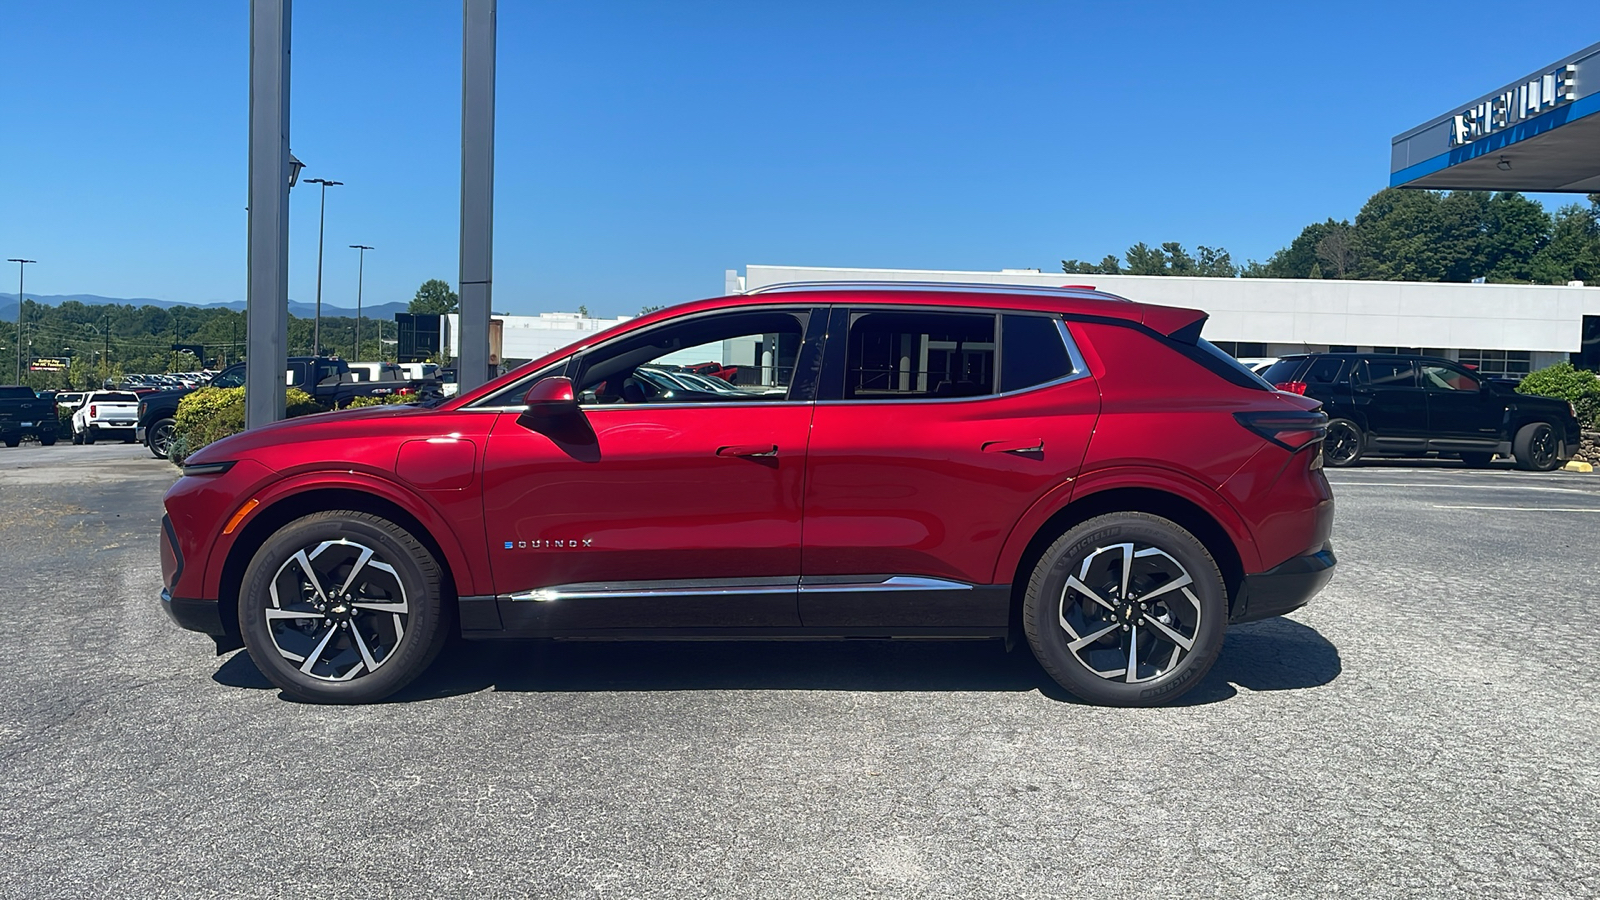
(1577, 465)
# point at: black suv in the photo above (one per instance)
(1387, 404)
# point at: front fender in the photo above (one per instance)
(466, 567)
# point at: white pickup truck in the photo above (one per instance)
(105, 411)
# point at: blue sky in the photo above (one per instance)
(643, 148)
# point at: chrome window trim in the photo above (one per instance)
(1080, 369)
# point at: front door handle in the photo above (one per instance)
(748, 451)
(1036, 445)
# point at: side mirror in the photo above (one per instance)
(551, 398)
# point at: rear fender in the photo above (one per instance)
(1149, 478)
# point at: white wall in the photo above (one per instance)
(1304, 313)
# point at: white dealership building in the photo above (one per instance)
(1504, 329)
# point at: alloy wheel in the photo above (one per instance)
(161, 439)
(1542, 448)
(1342, 445)
(1130, 613)
(338, 610)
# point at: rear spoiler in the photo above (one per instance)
(1179, 324)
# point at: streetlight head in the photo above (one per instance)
(360, 247)
(324, 182)
(295, 165)
(22, 260)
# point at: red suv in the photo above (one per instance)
(909, 461)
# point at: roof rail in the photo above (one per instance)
(968, 287)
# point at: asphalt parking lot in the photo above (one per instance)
(1427, 727)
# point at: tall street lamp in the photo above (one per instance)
(361, 268)
(322, 217)
(21, 264)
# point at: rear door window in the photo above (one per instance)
(916, 355)
(1391, 373)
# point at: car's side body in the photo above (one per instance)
(820, 513)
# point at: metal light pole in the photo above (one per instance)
(21, 266)
(322, 217)
(361, 268)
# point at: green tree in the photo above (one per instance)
(1573, 251)
(434, 298)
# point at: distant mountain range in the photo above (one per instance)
(8, 305)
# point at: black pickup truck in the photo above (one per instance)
(328, 380)
(22, 413)
(1397, 405)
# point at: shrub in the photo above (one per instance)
(1564, 382)
(388, 400)
(211, 414)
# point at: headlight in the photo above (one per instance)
(208, 468)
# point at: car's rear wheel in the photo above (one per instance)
(1477, 460)
(47, 440)
(13, 441)
(1126, 609)
(1343, 445)
(89, 434)
(1537, 448)
(158, 437)
(342, 607)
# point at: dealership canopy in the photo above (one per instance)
(1539, 133)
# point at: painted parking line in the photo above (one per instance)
(1573, 509)
(1474, 487)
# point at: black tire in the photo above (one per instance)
(1056, 614)
(1344, 444)
(76, 437)
(47, 440)
(343, 636)
(158, 437)
(89, 434)
(12, 441)
(1537, 448)
(1477, 460)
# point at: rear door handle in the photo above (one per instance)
(748, 450)
(1035, 445)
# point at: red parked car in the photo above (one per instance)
(911, 461)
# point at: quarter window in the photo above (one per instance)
(1033, 352)
(1325, 370)
(920, 355)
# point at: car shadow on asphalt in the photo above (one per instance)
(1274, 655)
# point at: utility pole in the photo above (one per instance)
(322, 218)
(361, 268)
(21, 264)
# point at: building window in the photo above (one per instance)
(1498, 363)
(1342, 348)
(1400, 351)
(1242, 349)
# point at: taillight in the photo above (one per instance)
(93, 411)
(405, 392)
(1293, 387)
(1290, 430)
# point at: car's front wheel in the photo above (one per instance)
(1537, 448)
(343, 607)
(1126, 609)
